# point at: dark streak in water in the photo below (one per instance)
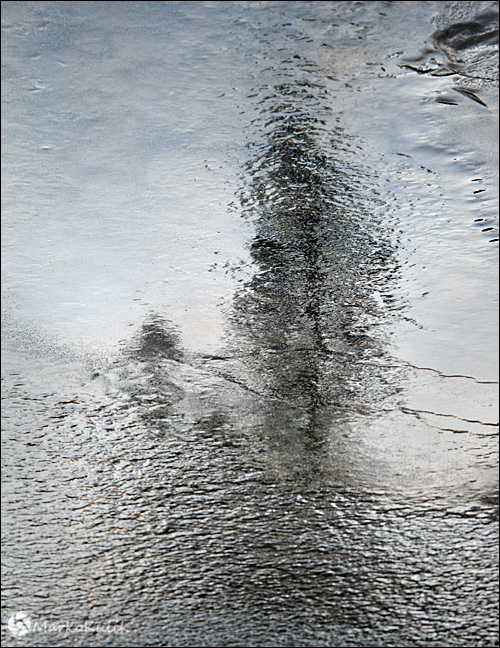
(471, 95)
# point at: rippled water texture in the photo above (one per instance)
(250, 365)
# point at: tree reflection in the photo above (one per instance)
(304, 331)
(307, 323)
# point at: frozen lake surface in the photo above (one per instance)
(250, 323)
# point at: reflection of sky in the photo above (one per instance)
(117, 169)
(450, 267)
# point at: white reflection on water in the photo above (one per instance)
(118, 168)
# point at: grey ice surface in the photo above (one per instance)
(250, 323)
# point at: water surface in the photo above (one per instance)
(250, 322)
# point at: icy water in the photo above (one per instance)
(250, 361)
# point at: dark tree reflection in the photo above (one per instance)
(307, 324)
